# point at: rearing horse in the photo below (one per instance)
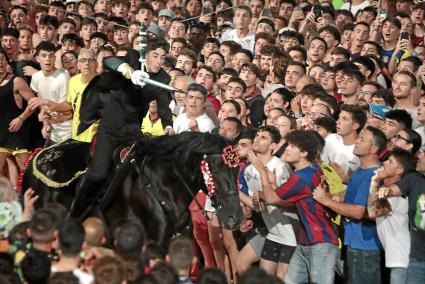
(158, 180)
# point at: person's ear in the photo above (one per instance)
(168, 258)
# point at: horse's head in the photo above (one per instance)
(220, 174)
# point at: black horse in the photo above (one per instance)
(157, 181)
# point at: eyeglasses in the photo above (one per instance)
(86, 60)
(316, 114)
(398, 137)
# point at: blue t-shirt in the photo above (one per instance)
(360, 234)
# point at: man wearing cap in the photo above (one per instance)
(165, 17)
(241, 34)
(155, 31)
(265, 25)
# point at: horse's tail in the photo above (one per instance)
(22, 172)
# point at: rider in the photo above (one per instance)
(120, 105)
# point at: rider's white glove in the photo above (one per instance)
(137, 77)
(126, 70)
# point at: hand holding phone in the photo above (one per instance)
(317, 10)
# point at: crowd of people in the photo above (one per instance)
(323, 100)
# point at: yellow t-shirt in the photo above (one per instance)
(154, 129)
(75, 90)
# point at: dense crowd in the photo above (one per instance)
(323, 100)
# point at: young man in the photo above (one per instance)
(186, 61)
(404, 86)
(350, 85)
(395, 120)
(316, 51)
(241, 34)
(195, 118)
(88, 27)
(235, 89)
(280, 242)
(392, 221)
(294, 72)
(249, 74)
(51, 84)
(46, 30)
(358, 37)
(315, 257)
(206, 77)
(361, 238)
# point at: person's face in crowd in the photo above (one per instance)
(276, 101)
(272, 115)
(185, 63)
(345, 124)
(70, 63)
(180, 97)
(3, 23)
(223, 80)
(402, 86)
(293, 154)
(18, 17)
(227, 53)
(390, 32)
(234, 90)
(325, 20)
(378, 100)
(363, 144)
(205, 78)
(133, 6)
(346, 37)
(287, 42)
(401, 140)
(406, 25)
(195, 103)
(57, 12)
(341, 20)
(263, 143)
(10, 44)
(176, 48)
(96, 43)
(158, 5)
(241, 19)
(69, 46)
(331, 42)
(71, 8)
(390, 127)
(248, 77)
(366, 72)
(421, 110)
(292, 75)
(244, 146)
(367, 17)
(100, 56)
(66, 28)
(368, 49)
(102, 26)
(38, 16)
(227, 110)
(328, 81)
(321, 130)
(316, 72)
(145, 16)
(25, 40)
(253, 24)
(420, 52)
(258, 44)
(165, 23)
(418, 16)
(256, 7)
(405, 65)
(365, 94)
(286, 10)
(274, 6)
(283, 124)
(155, 59)
(103, 6)
(3, 64)
(316, 111)
(403, 6)
(177, 29)
(120, 36)
(264, 28)
(196, 37)
(221, 6)
(87, 64)
(306, 103)
(228, 129)
(46, 59)
(208, 48)
(297, 56)
(239, 59)
(194, 7)
(47, 32)
(153, 107)
(349, 85)
(266, 62)
(215, 62)
(359, 35)
(133, 30)
(85, 10)
(87, 31)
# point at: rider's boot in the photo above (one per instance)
(87, 191)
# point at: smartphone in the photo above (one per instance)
(297, 9)
(206, 10)
(382, 13)
(317, 10)
(266, 12)
(404, 35)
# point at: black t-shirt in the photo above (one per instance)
(413, 187)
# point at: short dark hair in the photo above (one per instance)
(358, 115)
(209, 69)
(42, 225)
(63, 278)
(45, 46)
(378, 138)
(195, 87)
(211, 275)
(248, 133)
(319, 39)
(356, 74)
(339, 50)
(284, 93)
(401, 116)
(233, 46)
(181, 252)
(406, 159)
(155, 44)
(412, 77)
(235, 104)
(129, 238)
(332, 30)
(73, 38)
(230, 71)
(327, 123)
(239, 81)
(35, 267)
(273, 131)
(393, 20)
(10, 32)
(416, 61)
(237, 122)
(247, 53)
(387, 95)
(414, 138)
(377, 45)
(300, 49)
(48, 20)
(299, 64)
(305, 141)
(108, 270)
(366, 62)
(71, 238)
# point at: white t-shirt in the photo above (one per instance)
(393, 232)
(54, 88)
(246, 42)
(355, 8)
(421, 132)
(181, 124)
(277, 221)
(336, 151)
(83, 277)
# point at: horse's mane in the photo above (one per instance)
(179, 147)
